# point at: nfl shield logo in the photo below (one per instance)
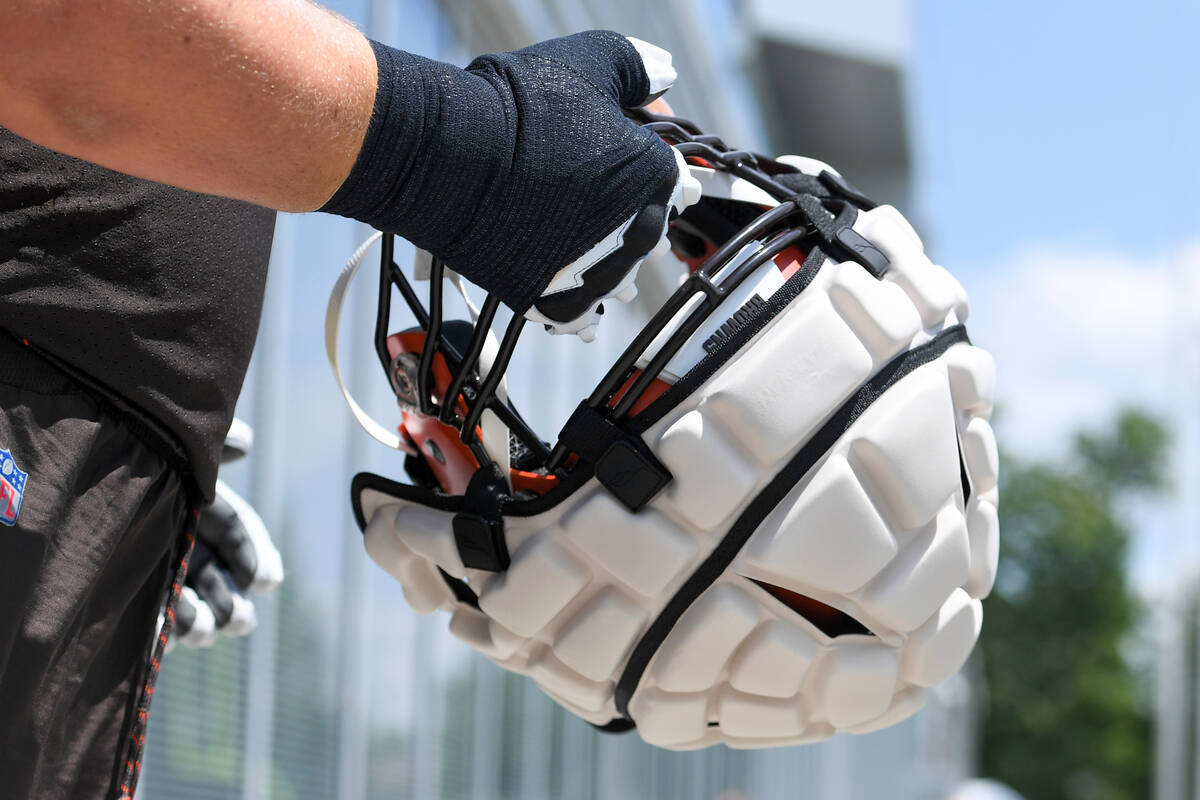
(12, 488)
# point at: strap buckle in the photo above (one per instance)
(479, 527)
(624, 465)
(840, 239)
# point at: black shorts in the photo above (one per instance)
(89, 540)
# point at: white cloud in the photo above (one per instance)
(1077, 335)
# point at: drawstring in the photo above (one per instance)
(136, 743)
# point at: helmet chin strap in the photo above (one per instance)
(333, 316)
(494, 436)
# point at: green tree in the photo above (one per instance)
(1064, 716)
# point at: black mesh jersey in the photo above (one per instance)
(148, 292)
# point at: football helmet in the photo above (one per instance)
(772, 520)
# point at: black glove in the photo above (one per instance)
(521, 172)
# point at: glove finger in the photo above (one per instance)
(202, 553)
(243, 619)
(237, 533)
(213, 590)
(267, 571)
(238, 441)
(195, 625)
(657, 63)
(607, 59)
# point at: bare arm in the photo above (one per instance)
(262, 100)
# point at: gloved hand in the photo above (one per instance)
(521, 173)
(233, 555)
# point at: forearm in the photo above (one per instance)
(263, 100)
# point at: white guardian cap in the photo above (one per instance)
(773, 519)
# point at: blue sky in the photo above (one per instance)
(1067, 121)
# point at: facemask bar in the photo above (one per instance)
(799, 216)
(477, 395)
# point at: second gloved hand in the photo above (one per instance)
(521, 172)
(233, 555)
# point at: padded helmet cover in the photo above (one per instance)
(816, 561)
